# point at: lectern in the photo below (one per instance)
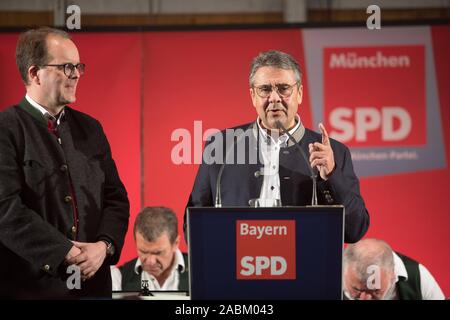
(266, 253)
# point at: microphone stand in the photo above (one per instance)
(311, 171)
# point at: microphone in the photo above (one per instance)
(218, 200)
(311, 171)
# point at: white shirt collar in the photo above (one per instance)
(399, 268)
(44, 111)
(177, 266)
(283, 138)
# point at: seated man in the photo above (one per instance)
(160, 263)
(373, 271)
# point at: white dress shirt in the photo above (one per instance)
(270, 151)
(171, 283)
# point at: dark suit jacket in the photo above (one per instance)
(241, 182)
(36, 219)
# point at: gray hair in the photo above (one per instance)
(276, 59)
(368, 252)
(152, 222)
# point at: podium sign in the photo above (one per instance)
(266, 253)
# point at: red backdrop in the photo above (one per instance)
(142, 86)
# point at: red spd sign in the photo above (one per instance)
(375, 96)
(265, 249)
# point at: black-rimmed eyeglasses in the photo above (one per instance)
(69, 68)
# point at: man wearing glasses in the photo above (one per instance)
(279, 176)
(63, 208)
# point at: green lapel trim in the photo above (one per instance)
(36, 114)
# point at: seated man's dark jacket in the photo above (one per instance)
(131, 281)
(36, 215)
(241, 182)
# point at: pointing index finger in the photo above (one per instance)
(325, 137)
